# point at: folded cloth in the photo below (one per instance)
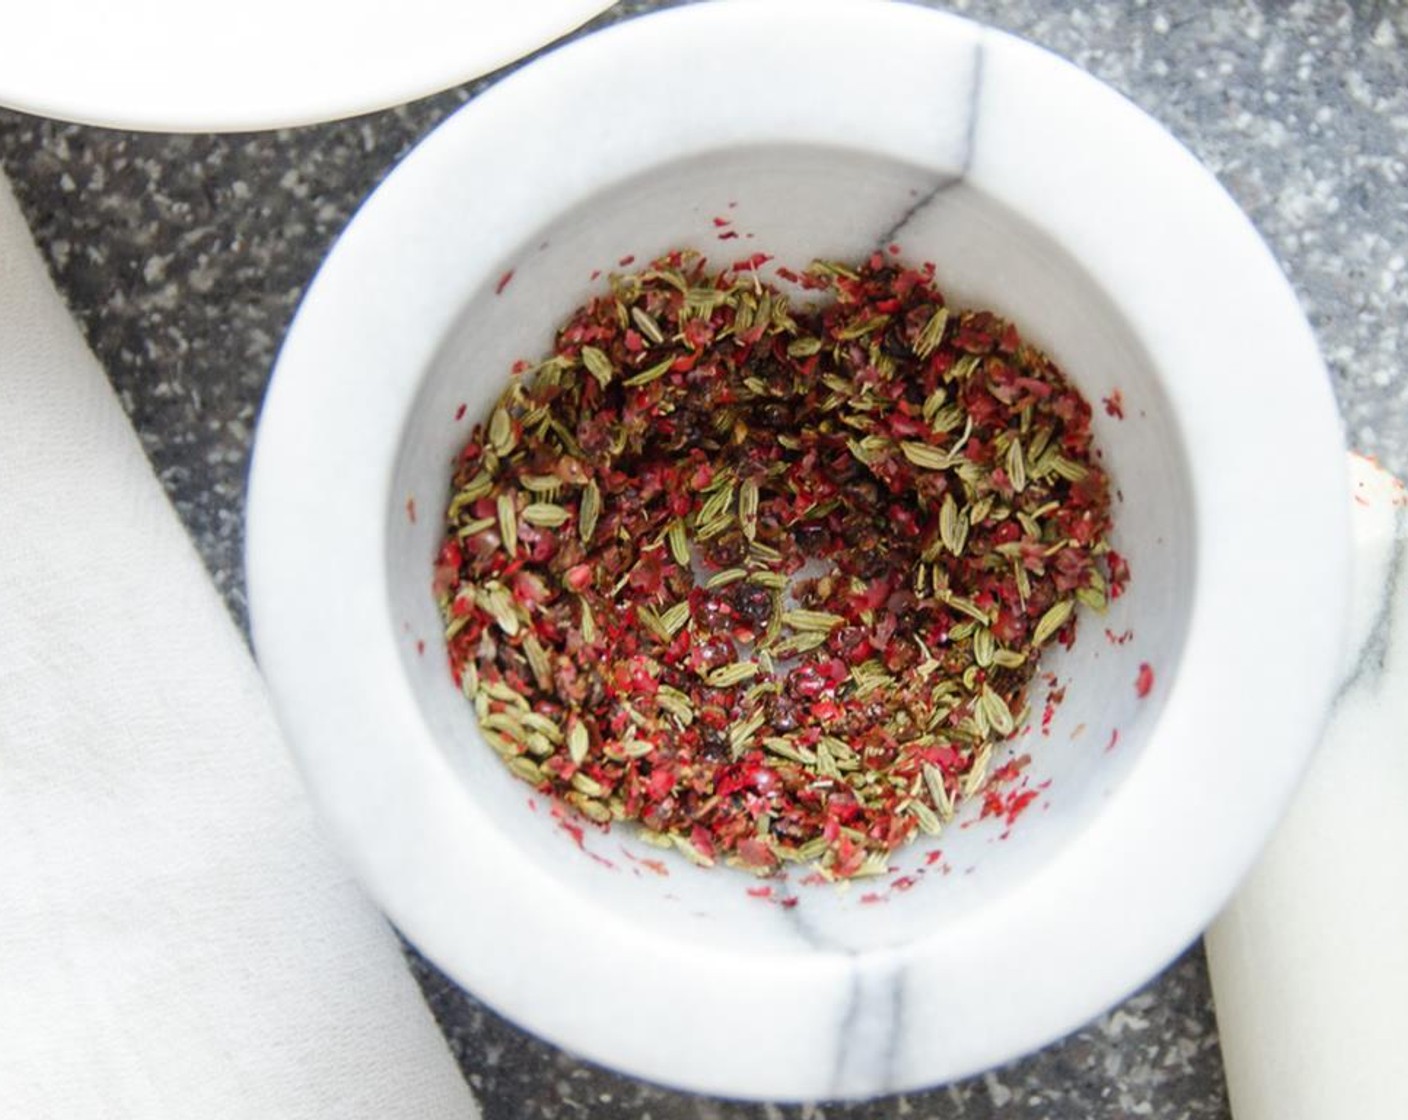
(176, 938)
(1309, 963)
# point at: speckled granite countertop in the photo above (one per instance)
(184, 257)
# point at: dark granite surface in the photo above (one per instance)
(184, 257)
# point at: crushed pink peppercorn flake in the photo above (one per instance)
(767, 571)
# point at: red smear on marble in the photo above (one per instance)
(1119, 573)
(757, 260)
(655, 865)
(572, 828)
(1010, 805)
(1010, 770)
(1053, 700)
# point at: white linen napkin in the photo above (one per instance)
(177, 940)
(1309, 962)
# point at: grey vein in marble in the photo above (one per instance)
(1372, 654)
(868, 1035)
(965, 161)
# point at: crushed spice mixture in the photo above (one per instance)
(770, 580)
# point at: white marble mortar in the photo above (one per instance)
(818, 128)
